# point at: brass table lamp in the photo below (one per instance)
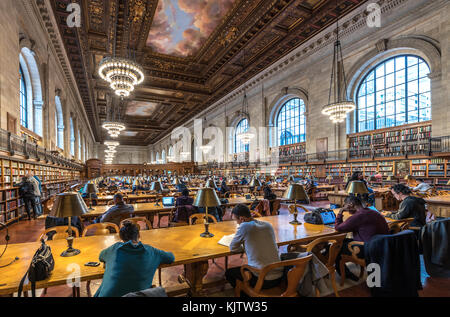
(90, 189)
(296, 192)
(357, 188)
(206, 197)
(254, 183)
(68, 205)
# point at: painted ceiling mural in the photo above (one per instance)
(140, 108)
(180, 27)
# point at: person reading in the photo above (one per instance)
(410, 206)
(364, 223)
(261, 248)
(130, 265)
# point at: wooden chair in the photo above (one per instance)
(137, 221)
(61, 232)
(285, 289)
(235, 195)
(255, 214)
(100, 229)
(355, 247)
(47, 205)
(276, 207)
(168, 214)
(329, 258)
(400, 225)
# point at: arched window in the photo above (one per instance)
(157, 158)
(72, 138)
(395, 92)
(30, 92)
(23, 100)
(291, 122)
(59, 124)
(240, 146)
(163, 156)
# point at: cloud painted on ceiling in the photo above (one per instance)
(140, 108)
(180, 27)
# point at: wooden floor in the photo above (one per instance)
(26, 231)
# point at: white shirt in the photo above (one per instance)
(422, 187)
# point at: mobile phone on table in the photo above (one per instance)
(92, 264)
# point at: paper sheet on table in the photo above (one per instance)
(226, 240)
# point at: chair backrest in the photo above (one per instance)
(235, 195)
(100, 229)
(194, 217)
(276, 207)
(400, 225)
(294, 275)
(255, 214)
(61, 232)
(182, 213)
(138, 221)
(334, 244)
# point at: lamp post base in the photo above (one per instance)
(206, 234)
(70, 252)
(295, 221)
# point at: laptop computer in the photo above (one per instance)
(168, 201)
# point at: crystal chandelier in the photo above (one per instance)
(113, 128)
(338, 108)
(121, 74)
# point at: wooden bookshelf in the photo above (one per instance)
(54, 179)
(411, 139)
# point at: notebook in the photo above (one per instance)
(226, 240)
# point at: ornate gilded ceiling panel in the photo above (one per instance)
(193, 52)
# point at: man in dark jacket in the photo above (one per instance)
(118, 212)
(26, 192)
(410, 206)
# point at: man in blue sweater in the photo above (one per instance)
(130, 265)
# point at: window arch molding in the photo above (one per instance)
(59, 123)
(277, 104)
(420, 46)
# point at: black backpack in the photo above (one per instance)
(40, 268)
(314, 216)
(26, 189)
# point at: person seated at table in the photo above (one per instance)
(367, 202)
(410, 206)
(268, 193)
(421, 186)
(258, 238)
(184, 207)
(364, 223)
(130, 265)
(181, 186)
(244, 181)
(118, 212)
(224, 187)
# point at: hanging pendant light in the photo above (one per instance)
(122, 74)
(339, 105)
(246, 136)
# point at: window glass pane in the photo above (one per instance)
(390, 80)
(362, 89)
(413, 103)
(390, 68)
(381, 123)
(390, 94)
(380, 111)
(370, 76)
(291, 122)
(380, 97)
(390, 121)
(361, 102)
(424, 100)
(370, 100)
(424, 85)
(413, 117)
(399, 63)
(412, 73)
(380, 83)
(413, 87)
(400, 106)
(400, 119)
(412, 60)
(379, 71)
(400, 91)
(424, 70)
(370, 113)
(370, 87)
(424, 114)
(400, 77)
(390, 108)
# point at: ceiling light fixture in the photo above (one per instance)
(338, 109)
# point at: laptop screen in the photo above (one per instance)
(168, 201)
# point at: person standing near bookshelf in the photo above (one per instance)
(26, 192)
(38, 194)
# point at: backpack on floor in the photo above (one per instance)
(40, 268)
